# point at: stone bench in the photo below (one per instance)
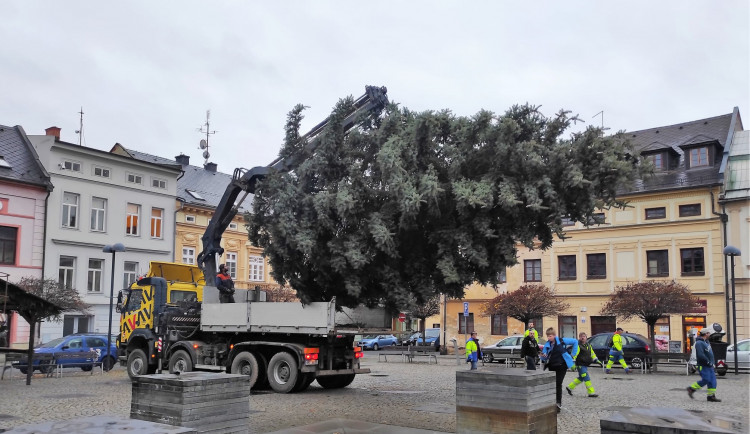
(661, 420)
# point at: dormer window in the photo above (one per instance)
(699, 157)
(658, 160)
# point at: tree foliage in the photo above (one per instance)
(67, 299)
(424, 309)
(414, 204)
(278, 293)
(527, 303)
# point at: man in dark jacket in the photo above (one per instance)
(705, 359)
(225, 285)
(530, 351)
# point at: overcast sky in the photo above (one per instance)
(145, 72)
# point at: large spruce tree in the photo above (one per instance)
(414, 204)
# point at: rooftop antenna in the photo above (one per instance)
(601, 113)
(206, 129)
(79, 131)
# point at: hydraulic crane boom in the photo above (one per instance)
(244, 181)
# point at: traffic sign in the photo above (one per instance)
(401, 317)
(466, 308)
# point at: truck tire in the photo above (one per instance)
(137, 363)
(303, 382)
(282, 372)
(180, 362)
(246, 364)
(336, 381)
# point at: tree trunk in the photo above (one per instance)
(30, 352)
(652, 332)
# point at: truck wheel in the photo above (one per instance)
(303, 382)
(282, 372)
(246, 364)
(180, 362)
(137, 364)
(108, 363)
(336, 381)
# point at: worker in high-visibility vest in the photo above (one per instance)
(584, 357)
(472, 351)
(531, 329)
(615, 353)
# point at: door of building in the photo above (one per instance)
(689, 322)
(603, 324)
(568, 326)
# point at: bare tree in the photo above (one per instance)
(650, 301)
(62, 299)
(430, 307)
(526, 303)
(281, 294)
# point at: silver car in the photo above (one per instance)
(743, 355)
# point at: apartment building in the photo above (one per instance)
(101, 198)
(24, 188)
(671, 229)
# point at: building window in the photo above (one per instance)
(75, 324)
(465, 323)
(195, 194)
(694, 209)
(135, 179)
(231, 263)
(699, 157)
(157, 217)
(98, 214)
(70, 210)
(8, 242)
(130, 273)
(597, 266)
(567, 221)
(101, 172)
(256, 268)
(658, 160)
(71, 165)
(131, 220)
(159, 183)
(501, 276)
(656, 213)
(568, 326)
(188, 255)
(499, 325)
(233, 226)
(658, 263)
(596, 218)
(95, 275)
(66, 271)
(189, 219)
(567, 266)
(532, 270)
(692, 262)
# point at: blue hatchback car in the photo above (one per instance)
(80, 343)
(373, 342)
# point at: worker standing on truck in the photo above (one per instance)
(615, 353)
(225, 285)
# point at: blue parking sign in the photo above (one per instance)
(466, 308)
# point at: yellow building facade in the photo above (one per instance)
(672, 229)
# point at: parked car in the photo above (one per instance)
(635, 348)
(743, 355)
(83, 343)
(507, 348)
(416, 338)
(373, 342)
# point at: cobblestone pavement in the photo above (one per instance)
(414, 395)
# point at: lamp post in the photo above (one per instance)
(113, 249)
(732, 251)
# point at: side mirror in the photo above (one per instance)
(65, 347)
(118, 308)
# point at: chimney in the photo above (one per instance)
(53, 131)
(211, 167)
(183, 159)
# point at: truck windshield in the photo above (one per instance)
(134, 300)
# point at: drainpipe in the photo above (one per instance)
(724, 220)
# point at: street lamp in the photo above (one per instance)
(732, 251)
(113, 249)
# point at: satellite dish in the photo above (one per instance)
(203, 144)
(206, 155)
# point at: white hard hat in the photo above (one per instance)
(706, 331)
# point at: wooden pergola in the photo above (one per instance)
(31, 308)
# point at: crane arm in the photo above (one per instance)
(244, 181)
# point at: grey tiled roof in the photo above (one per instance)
(670, 138)
(209, 185)
(18, 152)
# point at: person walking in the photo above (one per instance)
(225, 285)
(530, 351)
(583, 359)
(615, 353)
(472, 351)
(705, 359)
(558, 360)
(531, 330)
